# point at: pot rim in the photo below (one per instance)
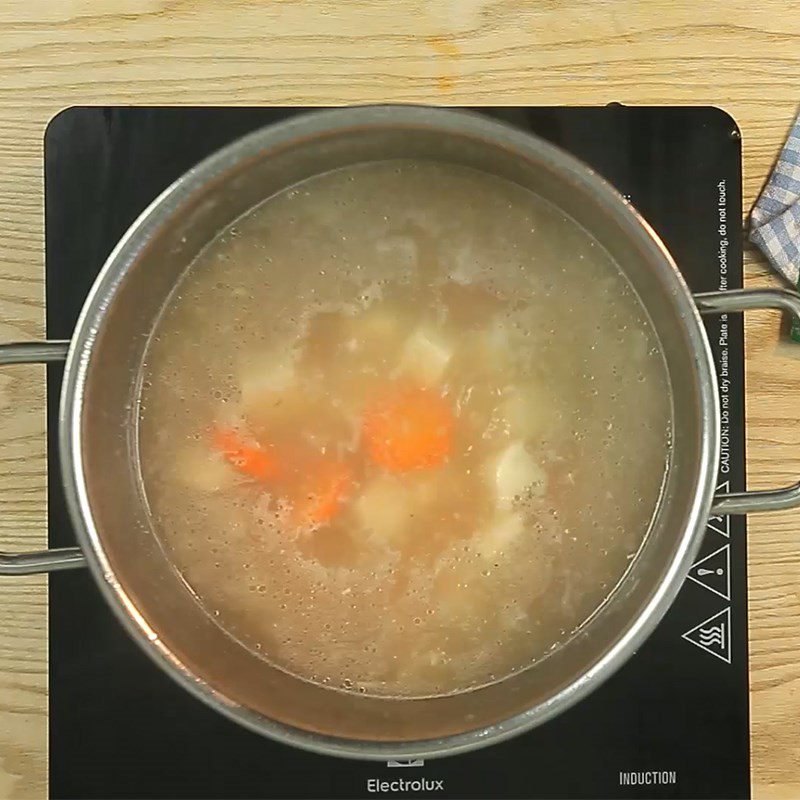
(255, 145)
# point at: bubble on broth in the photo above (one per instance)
(403, 431)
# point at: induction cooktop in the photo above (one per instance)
(673, 722)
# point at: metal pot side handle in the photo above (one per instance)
(708, 303)
(43, 560)
(744, 300)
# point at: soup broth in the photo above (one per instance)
(402, 428)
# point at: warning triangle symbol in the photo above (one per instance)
(721, 524)
(713, 635)
(714, 572)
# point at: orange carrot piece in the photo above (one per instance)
(408, 428)
(329, 483)
(249, 459)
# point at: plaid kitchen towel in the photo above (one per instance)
(775, 218)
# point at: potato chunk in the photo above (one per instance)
(425, 357)
(516, 474)
(496, 539)
(384, 509)
(263, 375)
(198, 467)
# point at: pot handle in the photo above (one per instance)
(744, 300)
(43, 560)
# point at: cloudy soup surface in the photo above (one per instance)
(402, 428)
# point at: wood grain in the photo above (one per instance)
(743, 56)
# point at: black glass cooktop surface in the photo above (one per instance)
(673, 722)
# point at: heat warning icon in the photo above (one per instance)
(713, 635)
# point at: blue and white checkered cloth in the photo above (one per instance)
(775, 218)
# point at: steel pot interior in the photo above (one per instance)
(98, 446)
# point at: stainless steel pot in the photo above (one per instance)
(98, 450)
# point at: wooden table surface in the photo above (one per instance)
(743, 56)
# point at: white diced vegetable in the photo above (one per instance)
(204, 470)
(384, 508)
(516, 473)
(494, 540)
(425, 356)
(264, 374)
